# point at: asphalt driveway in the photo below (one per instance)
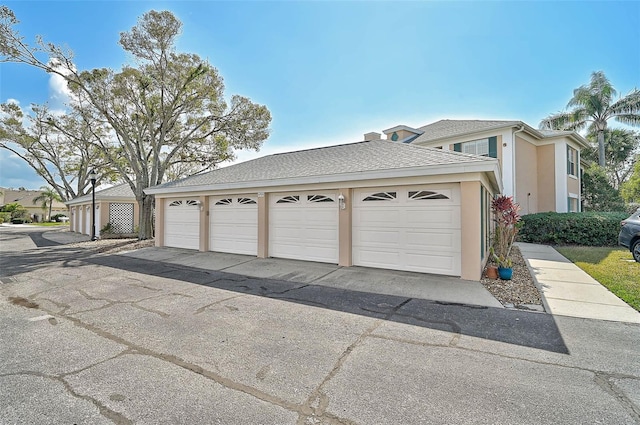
(122, 339)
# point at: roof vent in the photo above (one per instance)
(368, 137)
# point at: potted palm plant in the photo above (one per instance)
(507, 220)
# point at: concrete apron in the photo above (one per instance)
(568, 291)
(445, 289)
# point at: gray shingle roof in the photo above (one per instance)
(449, 128)
(358, 157)
(121, 191)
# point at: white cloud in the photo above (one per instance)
(13, 101)
(58, 88)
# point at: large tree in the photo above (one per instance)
(598, 194)
(592, 106)
(620, 152)
(163, 112)
(46, 198)
(61, 149)
(630, 189)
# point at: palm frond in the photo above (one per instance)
(629, 104)
(555, 121)
(581, 97)
(629, 119)
(572, 120)
(601, 86)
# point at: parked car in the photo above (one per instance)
(629, 236)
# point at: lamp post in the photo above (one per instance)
(92, 177)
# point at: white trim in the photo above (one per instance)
(403, 127)
(508, 163)
(560, 158)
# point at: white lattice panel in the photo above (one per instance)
(121, 217)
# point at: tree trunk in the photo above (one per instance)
(50, 206)
(601, 148)
(145, 226)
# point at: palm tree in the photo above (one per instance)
(47, 196)
(593, 105)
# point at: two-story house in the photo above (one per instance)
(539, 168)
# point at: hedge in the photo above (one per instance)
(584, 228)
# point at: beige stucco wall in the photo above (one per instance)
(345, 229)
(401, 134)
(470, 183)
(102, 214)
(204, 223)
(546, 178)
(526, 176)
(470, 217)
(159, 225)
(263, 225)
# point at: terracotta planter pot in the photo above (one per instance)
(491, 272)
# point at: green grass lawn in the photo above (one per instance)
(49, 224)
(612, 267)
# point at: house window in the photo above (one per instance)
(394, 137)
(476, 147)
(572, 204)
(226, 201)
(572, 159)
(483, 147)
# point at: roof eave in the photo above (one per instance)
(517, 124)
(101, 198)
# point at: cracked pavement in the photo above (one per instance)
(116, 340)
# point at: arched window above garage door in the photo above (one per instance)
(291, 199)
(246, 201)
(319, 198)
(426, 195)
(381, 196)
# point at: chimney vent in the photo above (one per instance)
(368, 137)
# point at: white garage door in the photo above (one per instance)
(304, 226)
(87, 220)
(182, 223)
(233, 224)
(78, 220)
(408, 228)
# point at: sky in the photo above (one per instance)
(330, 71)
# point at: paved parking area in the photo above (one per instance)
(122, 339)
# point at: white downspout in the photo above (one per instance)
(513, 159)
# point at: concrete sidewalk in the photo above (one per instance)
(568, 291)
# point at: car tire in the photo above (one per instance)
(635, 250)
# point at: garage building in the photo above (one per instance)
(375, 203)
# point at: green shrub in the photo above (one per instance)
(106, 229)
(585, 228)
(5, 217)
